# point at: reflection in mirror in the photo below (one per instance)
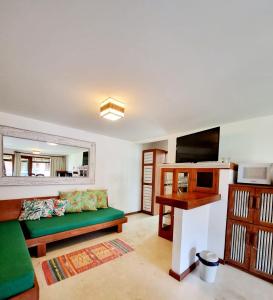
(25, 157)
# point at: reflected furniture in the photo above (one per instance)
(249, 235)
(34, 158)
(193, 208)
(150, 184)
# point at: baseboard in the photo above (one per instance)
(133, 213)
(181, 276)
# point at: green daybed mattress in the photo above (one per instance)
(69, 221)
(16, 270)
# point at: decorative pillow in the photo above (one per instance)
(102, 198)
(47, 209)
(59, 207)
(88, 201)
(73, 201)
(32, 210)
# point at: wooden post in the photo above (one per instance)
(119, 228)
(41, 250)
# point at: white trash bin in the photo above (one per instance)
(209, 263)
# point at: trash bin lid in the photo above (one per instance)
(209, 256)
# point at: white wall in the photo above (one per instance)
(117, 165)
(156, 145)
(74, 160)
(245, 141)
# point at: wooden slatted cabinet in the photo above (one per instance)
(249, 235)
(151, 179)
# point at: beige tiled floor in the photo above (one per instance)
(143, 274)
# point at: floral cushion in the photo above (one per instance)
(102, 198)
(59, 207)
(73, 201)
(32, 210)
(47, 209)
(88, 201)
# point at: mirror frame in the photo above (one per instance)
(43, 137)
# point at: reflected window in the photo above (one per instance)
(8, 164)
(41, 166)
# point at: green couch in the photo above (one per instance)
(16, 270)
(69, 221)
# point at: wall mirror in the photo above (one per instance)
(32, 158)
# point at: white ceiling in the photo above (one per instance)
(178, 65)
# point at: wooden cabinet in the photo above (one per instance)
(261, 256)
(241, 201)
(238, 248)
(205, 180)
(263, 213)
(151, 179)
(167, 186)
(249, 235)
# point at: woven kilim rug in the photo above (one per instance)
(71, 264)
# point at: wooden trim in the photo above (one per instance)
(181, 276)
(133, 213)
(45, 239)
(113, 106)
(245, 185)
(11, 209)
(31, 294)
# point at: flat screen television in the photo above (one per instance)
(197, 147)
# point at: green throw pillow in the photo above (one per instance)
(102, 198)
(88, 201)
(73, 201)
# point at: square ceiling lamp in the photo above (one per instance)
(112, 109)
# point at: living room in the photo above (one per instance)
(164, 70)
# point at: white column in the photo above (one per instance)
(189, 236)
(218, 215)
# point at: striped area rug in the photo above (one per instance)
(71, 264)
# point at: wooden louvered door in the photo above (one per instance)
(262, 252)
(263, 214)
(241, 201)
(249, 234)
(237, 243)
(166, 213)
(151, 158)
(147, 181)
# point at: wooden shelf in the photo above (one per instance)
(188, 200)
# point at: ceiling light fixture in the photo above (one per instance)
(112, 109)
